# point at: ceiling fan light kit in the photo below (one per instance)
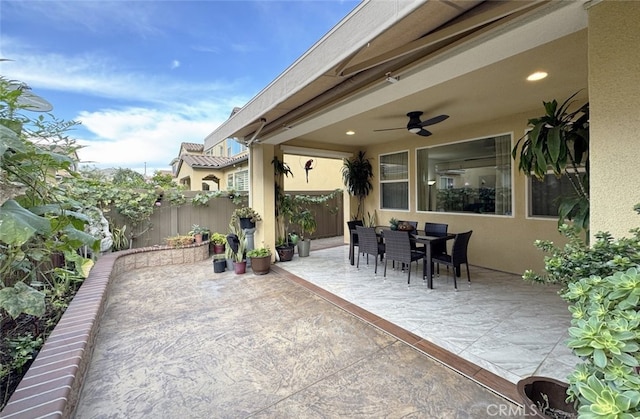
(416, 126)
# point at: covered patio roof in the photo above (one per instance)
(450, 58)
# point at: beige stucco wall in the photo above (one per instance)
(614, 90)
(262, 194)
(196, 177)
(326, 174)
(503, 243)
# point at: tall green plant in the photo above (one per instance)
(283, 202)
(559, 141)
(356, 175)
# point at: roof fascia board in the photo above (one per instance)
(364, 23)
(554, 21)
(488, 16)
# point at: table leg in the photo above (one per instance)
(351, 249)
(429, 273)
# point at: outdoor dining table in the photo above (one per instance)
(428, 241)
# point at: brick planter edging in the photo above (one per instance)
(51, 387)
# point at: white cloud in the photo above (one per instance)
(131, 137)
(175, 64)
(98, 76)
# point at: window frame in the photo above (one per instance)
(529, 196)
(382, 182)
(417, 180)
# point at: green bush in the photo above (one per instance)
(259, 252)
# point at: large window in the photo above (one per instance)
(471, 176)
(545, 194)
(394, 181)
(238, 180)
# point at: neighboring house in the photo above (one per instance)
(199, 172)
(468, 60)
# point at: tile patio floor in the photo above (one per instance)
(182, 342)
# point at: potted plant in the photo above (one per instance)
(284, 210)
(602, 285)
(237, 246)
(218, 240)
(197, 232)
(219, 263)
(260, 260)
(357, 174)
(393, 223)
(307, 222)
(246, 216)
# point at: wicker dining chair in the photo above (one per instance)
(457, 257)
(438, 230)
(398, 248)
(369, 245)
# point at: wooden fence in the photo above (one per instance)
(168, 220)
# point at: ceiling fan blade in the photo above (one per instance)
(388, 129)
(434, 120)
(423, 132)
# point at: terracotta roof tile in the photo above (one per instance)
(193, 147)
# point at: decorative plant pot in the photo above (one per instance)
(303, 248)
(246, 223)
(219, 265)
(240, 267)
(230, 265)
(285, 253)
(531, 391)
(218, 249)
(198, 238)
(261, 265)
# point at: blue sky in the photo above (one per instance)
(145, 76)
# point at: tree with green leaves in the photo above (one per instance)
(559, 142)
(357, 174)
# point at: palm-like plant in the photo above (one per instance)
(559, 141)
(356, 175)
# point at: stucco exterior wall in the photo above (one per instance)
(196, 177)
(503, 243)
(326, 174)
(614, 90)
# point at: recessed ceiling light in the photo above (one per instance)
(538, 75)
(350, 132)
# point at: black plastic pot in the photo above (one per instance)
(219, 265)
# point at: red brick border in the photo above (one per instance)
(52, 384)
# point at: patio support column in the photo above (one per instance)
(263, 194)
(614, 101)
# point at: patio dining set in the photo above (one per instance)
(408, 244)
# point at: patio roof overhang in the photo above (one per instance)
(449, 57)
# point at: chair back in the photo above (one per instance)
(368, 241)
(459, 250)
(438, 230)
(352, 224)
(397, 245)
(435, 229)
(352, 227)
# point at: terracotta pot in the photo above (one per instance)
(198, 238)
(531, 390)
(261, 265)
(240, 267)
(218, 249)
